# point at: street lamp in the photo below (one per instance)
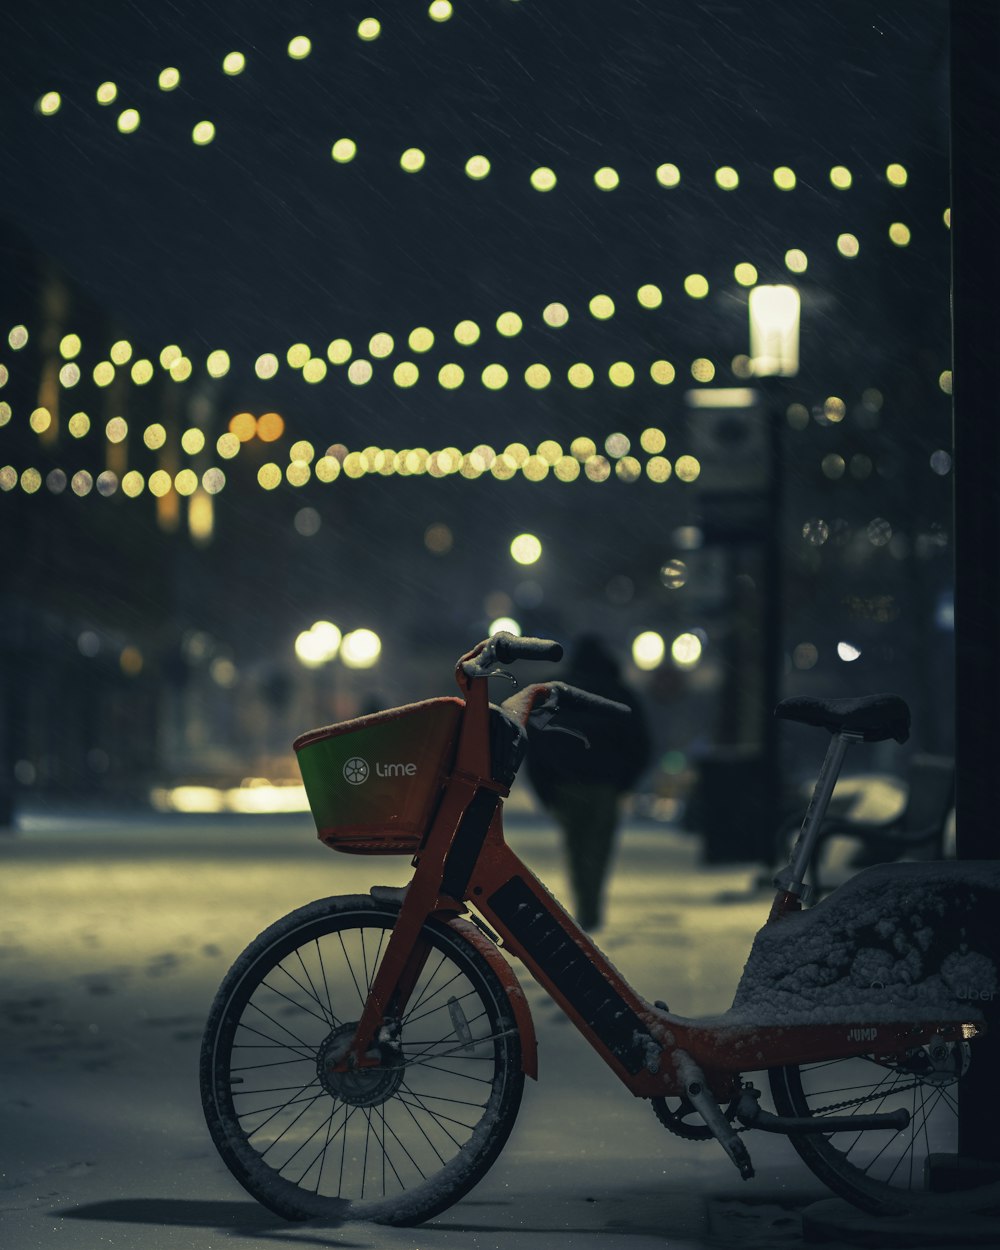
(774, 331)
(774, 354)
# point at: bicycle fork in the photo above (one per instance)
(408, 948)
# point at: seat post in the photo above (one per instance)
(791, 879)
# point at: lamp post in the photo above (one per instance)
(774, 353)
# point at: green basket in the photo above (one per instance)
(373, 782)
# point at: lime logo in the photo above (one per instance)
(356, 770)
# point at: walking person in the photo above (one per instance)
(582, 787)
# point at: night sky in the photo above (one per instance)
(260, 239)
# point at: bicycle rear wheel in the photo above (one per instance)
(396, 1143)
(880, 1171)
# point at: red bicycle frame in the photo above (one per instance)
(465, 860)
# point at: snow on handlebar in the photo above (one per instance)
(504, 648)
(538, 703)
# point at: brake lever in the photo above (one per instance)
(561, 729)
(540, 716)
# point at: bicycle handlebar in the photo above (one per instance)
(585, 701)
(504, 648)
(539, 703)
(508, 647)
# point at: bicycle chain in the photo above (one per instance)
(855, 1102)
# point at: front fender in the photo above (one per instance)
(512, 988)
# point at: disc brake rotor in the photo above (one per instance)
(361, 1087)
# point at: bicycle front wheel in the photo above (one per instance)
(883, 1171)
(395, 1143)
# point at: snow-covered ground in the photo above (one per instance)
(113, 938)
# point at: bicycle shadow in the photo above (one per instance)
(206, 1213)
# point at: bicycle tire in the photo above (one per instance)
(406, 1106)
(879, 1171)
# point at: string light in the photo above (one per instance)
(543, 178)
(516, 458)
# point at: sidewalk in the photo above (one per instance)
(114, 937)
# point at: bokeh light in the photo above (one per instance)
(648, 650)
(526, 549)
(686, 650)
(360, 648)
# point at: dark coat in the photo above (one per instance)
(620, 746)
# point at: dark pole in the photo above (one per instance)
(975, 65)
(774, 607)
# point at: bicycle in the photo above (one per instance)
(365, 1056)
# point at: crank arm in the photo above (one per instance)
(695, 1087)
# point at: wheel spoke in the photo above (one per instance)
(364, 962)
(273, 1043)
(429, 1067)
(378, 956)
(427, 985)
(386, 1157)
(438, 1116)
(409, 1110)
(303, 1145)
(406, 1152)
(298, 1006)
(411, 1019)
(420, 1059)
(278, 1106)
(426, 998)
(368, 1133)
(278, 1063)
(350, 967)
(322, 1153)
(312, 992)
(287, 1127)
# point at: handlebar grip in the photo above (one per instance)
(507, 648)
(573, 696)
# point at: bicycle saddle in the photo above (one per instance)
(875, 716)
